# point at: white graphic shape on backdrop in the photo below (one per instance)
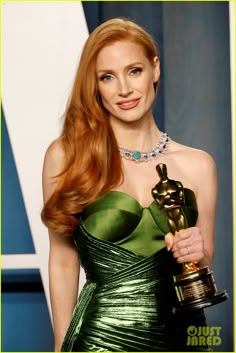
(41, 46)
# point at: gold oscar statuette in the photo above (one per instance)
(195, 287)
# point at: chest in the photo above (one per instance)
(138, 181)
(140, 178)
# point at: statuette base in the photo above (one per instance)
(197, 290)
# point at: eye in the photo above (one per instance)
(105, 77)
(136, 71)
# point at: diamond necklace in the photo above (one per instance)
(139, 156)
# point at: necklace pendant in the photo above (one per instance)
(136, 155)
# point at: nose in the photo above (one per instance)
(124, 88)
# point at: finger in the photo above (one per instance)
(186, 249)
(183, 234)
(189, 254)
(185, 237)
(180, 244)
(169, 240)
(195, 258)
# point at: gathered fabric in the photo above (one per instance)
(128, 299)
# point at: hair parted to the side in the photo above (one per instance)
(92, 161)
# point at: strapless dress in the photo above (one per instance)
(127, 301)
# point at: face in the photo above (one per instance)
(125, 80)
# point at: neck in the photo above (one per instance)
(142, 136)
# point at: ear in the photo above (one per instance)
(156, 69)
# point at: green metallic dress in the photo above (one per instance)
(127, 301)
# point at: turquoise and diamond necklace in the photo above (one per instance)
(139, 156)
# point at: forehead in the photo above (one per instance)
(122, 52)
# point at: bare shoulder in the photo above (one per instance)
(194, 166)
(54, 157)
(52, 167)
(196, 158)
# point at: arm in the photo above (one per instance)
(199, 239)
(206, 200)
(63, 257)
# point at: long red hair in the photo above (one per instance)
(92, 162)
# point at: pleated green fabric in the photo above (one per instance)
(126, 303)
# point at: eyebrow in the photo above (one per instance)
(126, 67)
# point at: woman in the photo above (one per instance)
(97, 183)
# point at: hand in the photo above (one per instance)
(186, 245)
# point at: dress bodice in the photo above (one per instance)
(119, 218)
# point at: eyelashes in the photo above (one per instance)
(105, 78)
(136, 71)
(108, 77)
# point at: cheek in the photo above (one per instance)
(105, 93)
(106, 97)
(148, 88)
(146, 84)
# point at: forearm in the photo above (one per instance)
(63, 292)
(206, 260)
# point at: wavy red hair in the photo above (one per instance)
(92, 161)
